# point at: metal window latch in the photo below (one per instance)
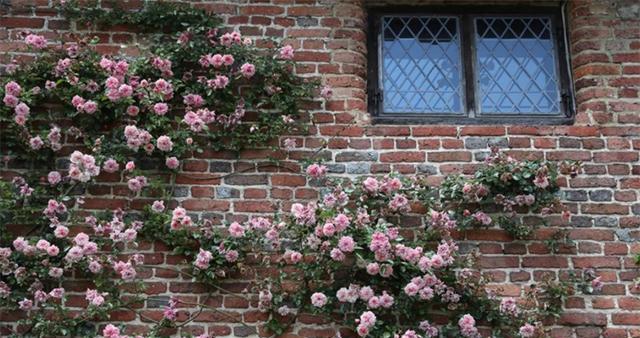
(377, 100)
(566, 102)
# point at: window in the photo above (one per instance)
(473, 65)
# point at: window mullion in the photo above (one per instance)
(467, 56)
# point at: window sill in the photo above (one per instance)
(453, 120)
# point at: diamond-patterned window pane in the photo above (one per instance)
(421, 64)
(516, 66)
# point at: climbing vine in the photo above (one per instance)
(72, 118)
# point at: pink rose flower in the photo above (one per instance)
(248, 70)
(90, 107)
(10, 100)
(164, 143)
(110, 166)
(326, 92)
(53, 250)
(373, 268)
(36, 143)
(158, 206)
(286, 52)
(160, 108)
(346, 244)
(316, 170)
(54, 177)
(133, 110)
(371, 185)
(12, 88)
(57, 293)
(130, 166)
(61, 231)
(368, 319)
(318, 299)
(110, 331)
(25, 304)
(55, 272)
(236, 230)
(172, 162)
(227, 59)
(527, 331)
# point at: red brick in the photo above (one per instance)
(435, 131)
(450, 156)
(20, 22)
(483, 131)
(205, 204)
(403, 156)
(625, 318)
(616, 156)
(576, 318)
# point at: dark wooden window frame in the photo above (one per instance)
(466, 16)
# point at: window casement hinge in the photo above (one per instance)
(376, 100)
(566, 103)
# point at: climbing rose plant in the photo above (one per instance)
(106, 118)
(373, 251)
(73, 119)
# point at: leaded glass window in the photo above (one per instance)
(516, 66)
(469, 66)
(421, 64)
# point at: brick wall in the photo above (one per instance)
(330, 39)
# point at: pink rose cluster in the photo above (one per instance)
(292, 256)
(161, 87)
(137, 183)
(54, 137)
(180, 219)
(117, 69)
(193, 100)
(467, 326)
(170, 312)
(474, 192)
(428, 286)
(482, 218)
(197, 120)
(441, 222)
(138, 137)
(203, 259)
(219, 82)
(84, 106)
(429, 330)
(94, 297)
(12, 92)
(82, 167)
(264, 300)
(366, 294)
(23, 187)
(231, 38)
(304, 214)
(126, 270)
(216, 60)
(36, 41)
(366, 322)
(386, 185)
(163, 65)
(83, 247)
